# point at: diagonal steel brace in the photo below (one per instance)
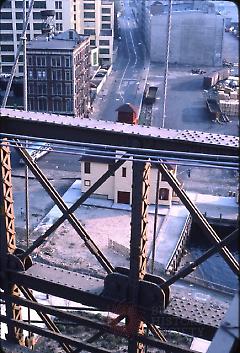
(199, 218)
(73, 208)
(92, 247)
(46, 319)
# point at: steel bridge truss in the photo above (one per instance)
(139, 298)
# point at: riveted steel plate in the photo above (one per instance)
(194, 310)
(199, 137)
(88, 290)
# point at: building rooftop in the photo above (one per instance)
(126, 108)
(65, 40)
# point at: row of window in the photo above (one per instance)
(56, 89)
(56, 75)
(56, 61)
(19, 4)
(58, 105)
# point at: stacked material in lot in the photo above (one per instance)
(229, 107)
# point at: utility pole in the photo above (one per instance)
(169, 23)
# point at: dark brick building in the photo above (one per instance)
(58, 74)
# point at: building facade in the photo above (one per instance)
(118, 187)
(88, 17)
(58, 74)
(196, 34)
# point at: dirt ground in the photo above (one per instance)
(109, 229)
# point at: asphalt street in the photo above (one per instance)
(130, 69)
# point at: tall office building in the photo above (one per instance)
(90, 17)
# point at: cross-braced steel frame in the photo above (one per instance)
(135, 295)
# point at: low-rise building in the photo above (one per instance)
(118, 187)
(196, 35)
(58, 73)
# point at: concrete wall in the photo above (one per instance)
(196, 38)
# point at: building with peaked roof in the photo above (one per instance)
(58, 74)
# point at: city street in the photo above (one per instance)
(128, 78)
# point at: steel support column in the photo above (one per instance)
(138, 242)
(8, 242)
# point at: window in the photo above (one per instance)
(58, 89)
(67, 75)
(163, 194)
(37, 26)
(41, 61)
(67, 61)
(89, 6)
(92, 42)
(6, 37)
(106, 18)
(68, 89)
(104, 42)
(69, 105)
(57, 105)
(89, 14)
(6, 4)
(7, 58)
(31, 87)
(19, 4)
(103, 51)
(106, 10)
(42, 88)
(95, 59)
(6, 15)
(106, 26)
(39, 5)
(74, 8)
(19, 15)
(7, 47)
(42, 104)
(29, 60)
(58, 5)
(37, 15)
(58, 15)
(56, 61)
(56, 75)
(6, 69)
(124, 172)
(30, 74)
(89, 32)
(59, 27)
(87, 169)
(6, 26)
(87, 183)
(41, 74)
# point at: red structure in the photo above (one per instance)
(127, 113)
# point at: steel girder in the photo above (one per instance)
(7, 240)
(108, 133)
